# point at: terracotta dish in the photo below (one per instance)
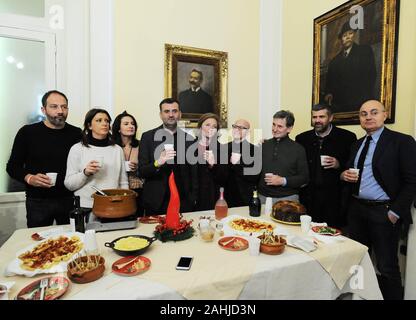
(118, 203)
(88, 275)
(273, 249)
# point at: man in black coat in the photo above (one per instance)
(351, 74)
(383, 192)
(195, 99)
(157, 159)
(323, 195)
(244, 166)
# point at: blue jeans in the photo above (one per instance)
(43, 212)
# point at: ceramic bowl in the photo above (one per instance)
(273, 249)
(86, 276)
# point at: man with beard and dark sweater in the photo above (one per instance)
(163, 151)
(42, 148)
(323, 196)
(244, 166)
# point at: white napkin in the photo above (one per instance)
(8, 285)
(50, 232)
(326, 239)
(302, 243)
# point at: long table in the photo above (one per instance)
(215, 273)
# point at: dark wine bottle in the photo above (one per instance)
(78, 216)
(255, 205)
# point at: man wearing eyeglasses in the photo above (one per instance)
(42, 148)
(244, 166)
(383, 192)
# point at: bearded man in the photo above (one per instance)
(42, 148)
(327, 150)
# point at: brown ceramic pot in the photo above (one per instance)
(273, 249)
(86, 276)
(118, 203)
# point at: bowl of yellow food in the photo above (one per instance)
(130, 245)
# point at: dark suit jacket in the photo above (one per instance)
(351, 80)
(195, 102)
(240, 186)
(156, 179)
(338, 145)
(394, 168)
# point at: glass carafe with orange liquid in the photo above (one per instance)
(221, 207)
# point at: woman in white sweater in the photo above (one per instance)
(96, 160)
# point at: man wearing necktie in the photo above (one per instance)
(382, 193)
(351, 73)
(195, 99)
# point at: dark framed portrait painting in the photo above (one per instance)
(198, 79)
(355, 57)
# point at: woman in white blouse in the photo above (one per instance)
(96, 160)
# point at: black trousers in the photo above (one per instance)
(43, 212)
(370, 225)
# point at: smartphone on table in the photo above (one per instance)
(184, 263)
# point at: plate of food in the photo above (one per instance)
(244, 226)
(131, 265)
(326, 231)
(233, 243)
(150, 219)
(54, 289)
(48, 256)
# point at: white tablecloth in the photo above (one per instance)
(292, 275)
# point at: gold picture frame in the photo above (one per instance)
(368, 70)
(180, 62)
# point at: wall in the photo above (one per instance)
(143, 27)
(297, 62)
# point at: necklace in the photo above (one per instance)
(127, 157)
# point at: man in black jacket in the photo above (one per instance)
(42, 148)
(323, 195)
(244, 166)
(157, 159)
(195, 99)
(351, 74)
(383, 192)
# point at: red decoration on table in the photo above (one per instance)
(172, 215)
(173, 228)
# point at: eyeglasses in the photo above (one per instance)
(239, 127)
(373, 113)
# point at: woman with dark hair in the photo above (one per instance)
(212, 162)
(96, 160)
(124, 134)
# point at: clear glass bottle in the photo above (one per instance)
(254, 205)
(221, 207)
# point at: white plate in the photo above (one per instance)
(228, 231)
(14, 267)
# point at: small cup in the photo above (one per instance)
(254, 246)
(269, 175)
(100, 160)
(323, 160)
(91, 242)
(235, 157)
(355, 170)
(305, 223)
(127, 165)
(168, 146)
(52, 176)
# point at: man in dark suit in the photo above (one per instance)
(383, 192)
(162, 151)
(323, 195)
(195, 99)
(351, 74)
(244, 166)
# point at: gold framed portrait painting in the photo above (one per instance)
(355, 57)
(197, 78)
